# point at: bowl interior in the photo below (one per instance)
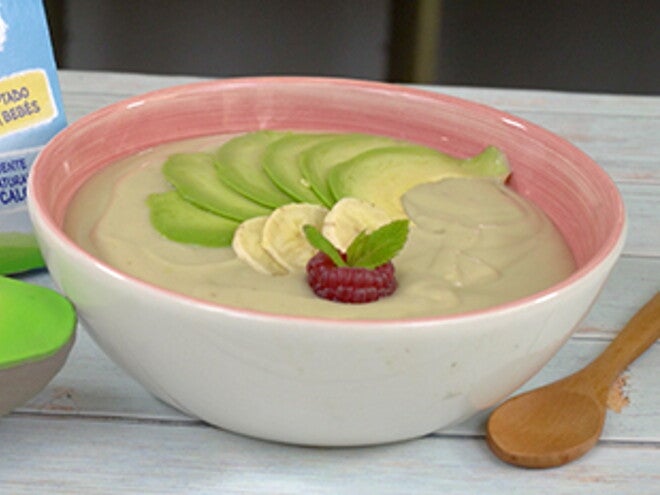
(572, 189)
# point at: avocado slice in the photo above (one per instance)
(316, 162)
(491, 162)
(195, 178)
(381, 176)
(282, 164)
(240, 165)
(181, 221)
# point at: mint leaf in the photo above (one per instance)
(317, 240)
(357, 249)
(367, 250)
(372, 250)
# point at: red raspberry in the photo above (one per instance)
(349, 284)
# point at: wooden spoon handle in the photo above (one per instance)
(637, 336)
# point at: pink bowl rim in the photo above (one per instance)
(612, 246)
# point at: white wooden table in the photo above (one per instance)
(94, 430)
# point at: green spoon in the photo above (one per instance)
(37, 330)
(19, 253)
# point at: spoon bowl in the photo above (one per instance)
(528, 415)
(37, 331)
(560, 422)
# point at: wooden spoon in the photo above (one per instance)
(560, 422)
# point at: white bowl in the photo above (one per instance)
(314, 381)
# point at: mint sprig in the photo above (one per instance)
(367, 250)
(320, 242)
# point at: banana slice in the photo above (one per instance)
(247, 246)
(350, 216)
(283, 237)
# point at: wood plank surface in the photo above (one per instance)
(95, 430)
(98, 457)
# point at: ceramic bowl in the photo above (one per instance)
(313, 381)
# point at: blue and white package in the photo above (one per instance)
(31, 111)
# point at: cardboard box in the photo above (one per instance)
(31, 111)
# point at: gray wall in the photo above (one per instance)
(583, 45)
(228, 38)
(580, 45)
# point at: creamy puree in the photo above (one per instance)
(472, 244)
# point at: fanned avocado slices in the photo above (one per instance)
(240, 165)
(181, 221)
(254, 173)
(316, 162)
(282, 164)
(195, 177)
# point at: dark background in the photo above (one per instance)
(596, 46)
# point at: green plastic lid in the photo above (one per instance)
(35, 322)
(19, 252)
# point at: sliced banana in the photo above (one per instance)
(350, 216)
(283, 237)
(247, 246)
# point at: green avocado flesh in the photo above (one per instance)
(240, 165)
(195, 177)
(282, 164)
(181, 221)
(254, 173)
(383, 175)
(315, 163)
(35, 322)
(491, 162)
